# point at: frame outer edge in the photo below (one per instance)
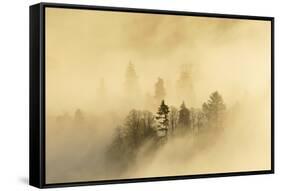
(40, 91)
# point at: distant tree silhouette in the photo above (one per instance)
(184, 116)
(184, 83)
(78, 116)
(160, 91)
(214, 109)
(173, 118)
(131, 81)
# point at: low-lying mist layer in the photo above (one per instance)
(181, 141)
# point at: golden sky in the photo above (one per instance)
(84, 46)
(232, 56)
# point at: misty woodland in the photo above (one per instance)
(143, 127)
(144, 132)
(132, 95)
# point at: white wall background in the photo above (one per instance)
(14, 88)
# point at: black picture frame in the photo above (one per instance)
(37, 94)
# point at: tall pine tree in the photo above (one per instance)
(162, 119)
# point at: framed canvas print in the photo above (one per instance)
(122, 95)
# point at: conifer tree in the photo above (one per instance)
(162, 116)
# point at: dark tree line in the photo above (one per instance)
(142, 127)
